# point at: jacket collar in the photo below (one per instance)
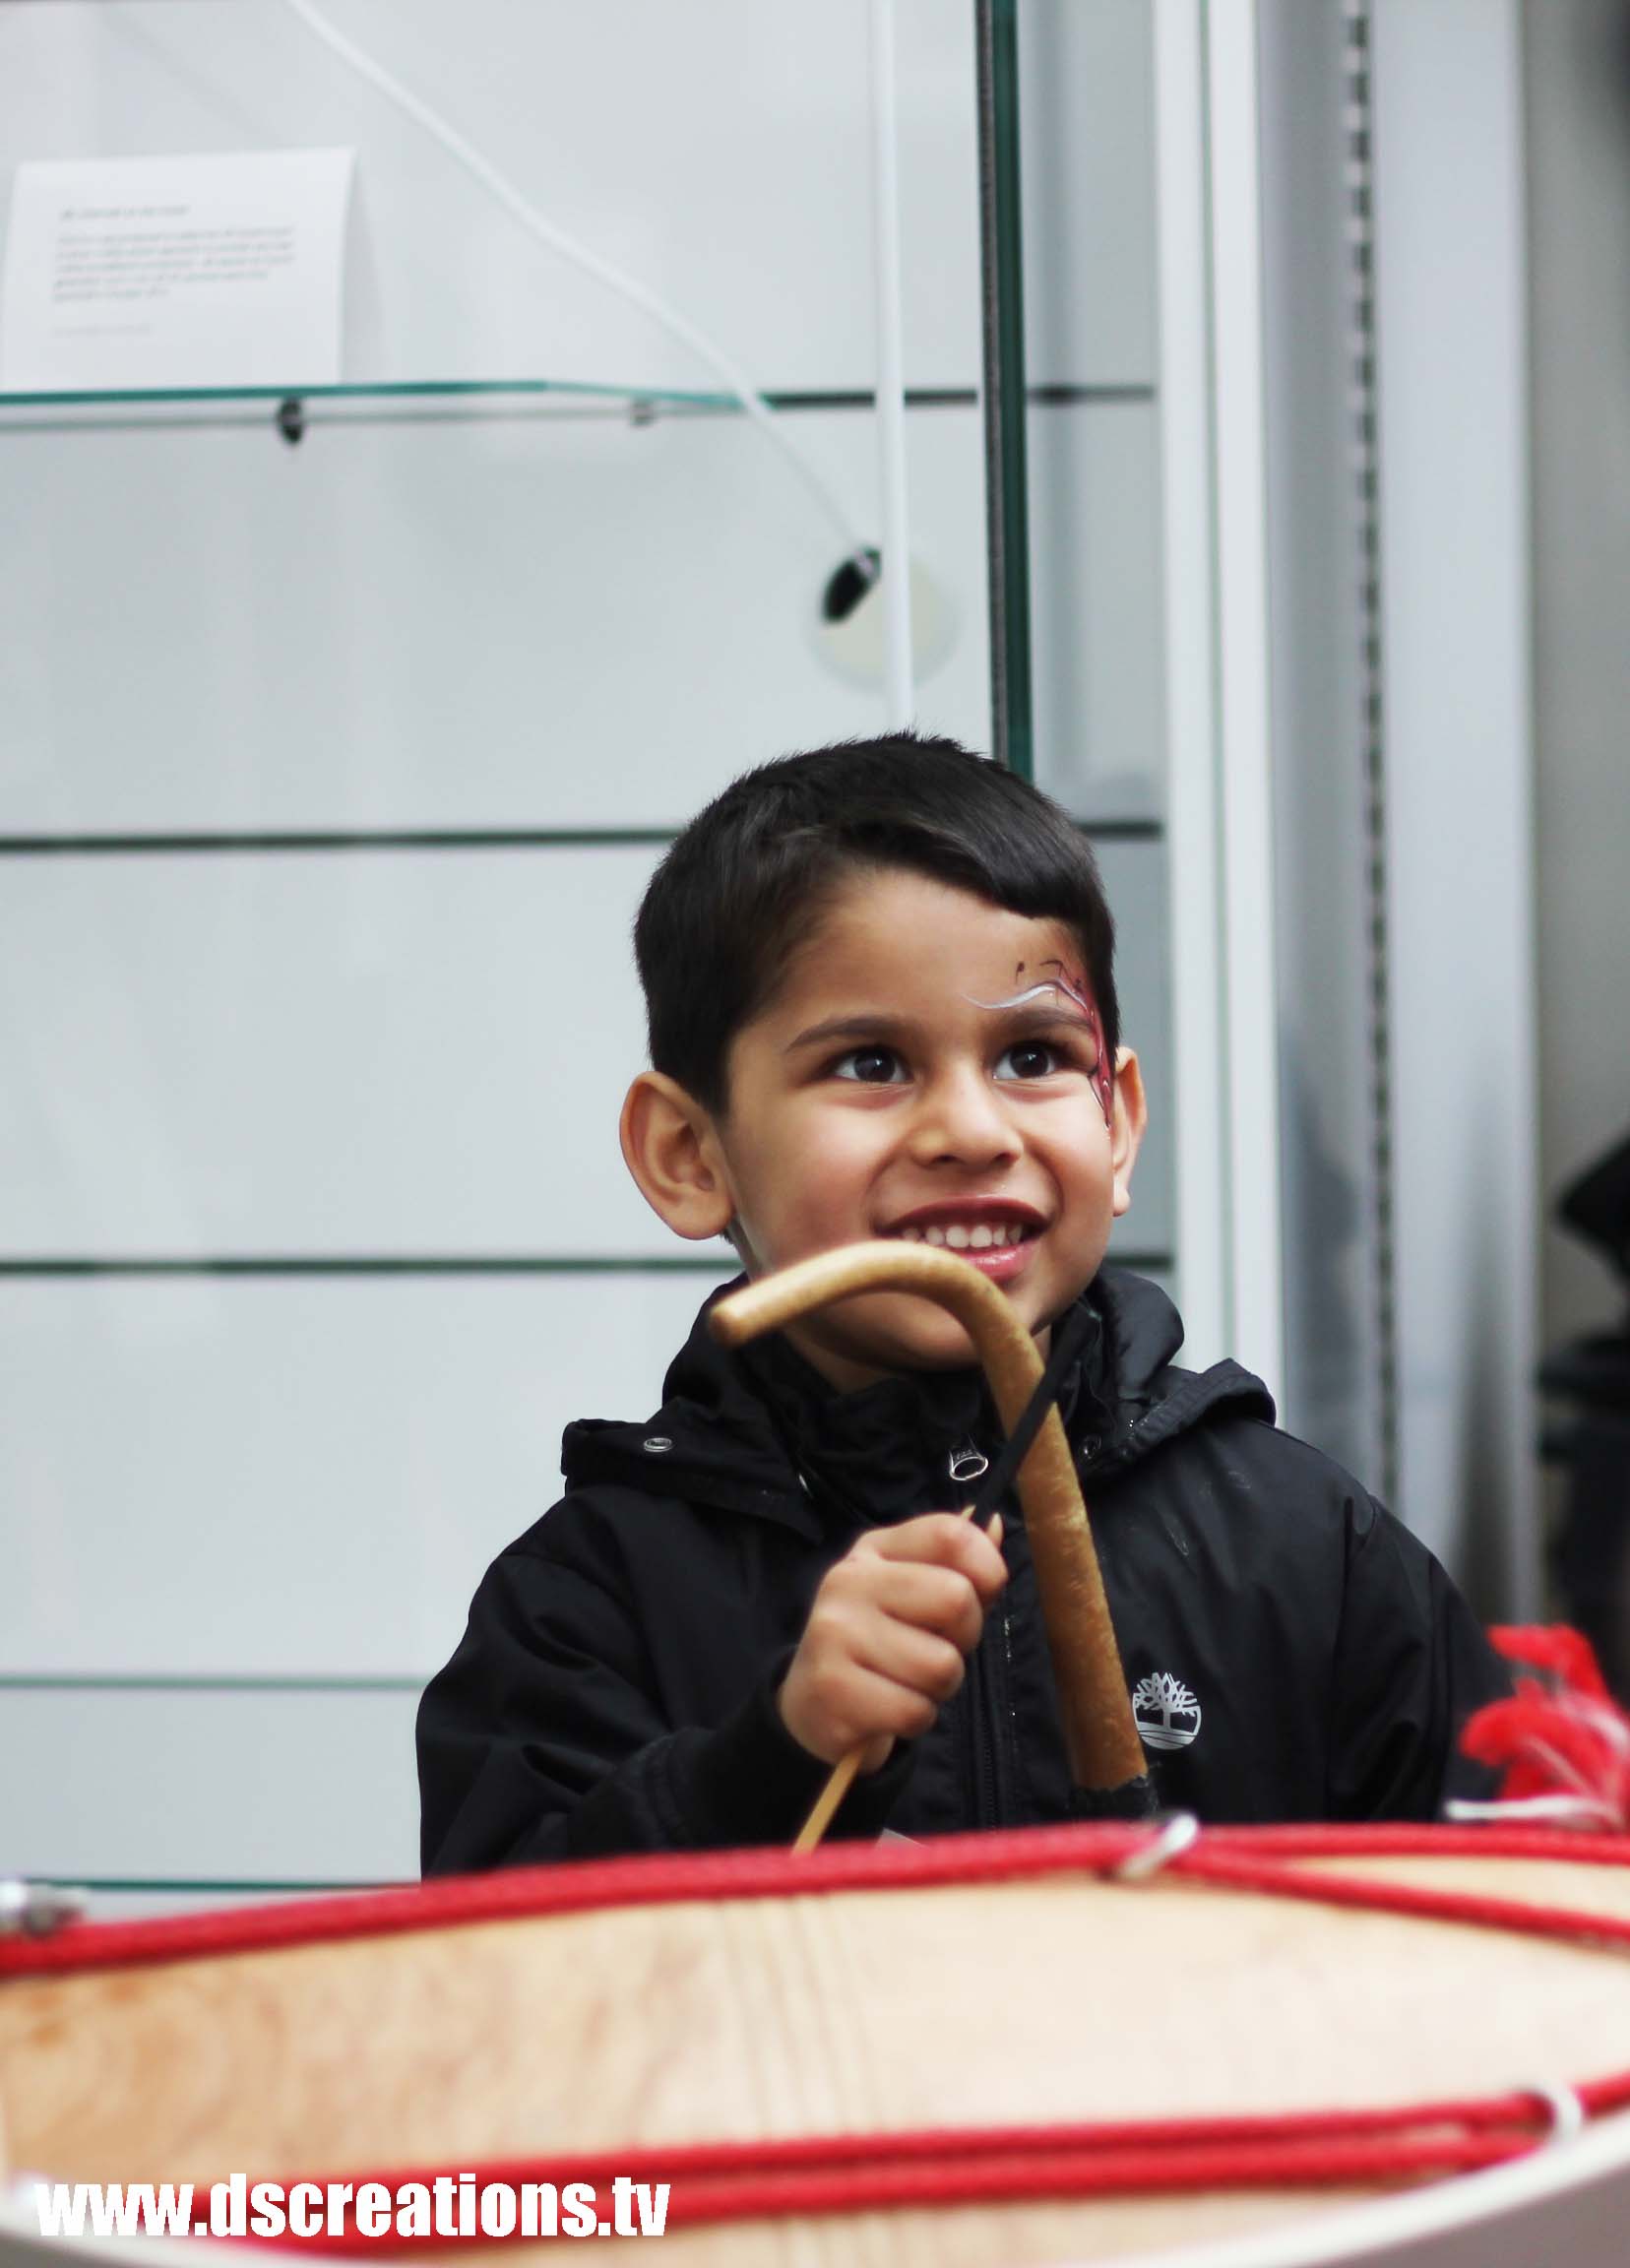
(1156, 1400)
(758, 1431)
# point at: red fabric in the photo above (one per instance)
(1565, 1656)
(1561, 1735)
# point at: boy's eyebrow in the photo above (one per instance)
(865, 1026)
(1029, 1012)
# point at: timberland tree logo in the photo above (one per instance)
(1165, 1712)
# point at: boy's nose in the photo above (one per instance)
(961, 1117)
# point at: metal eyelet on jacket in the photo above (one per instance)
(967, 1463)
(657, 1445)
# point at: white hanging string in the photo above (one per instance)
(890, 377)
(522, 211)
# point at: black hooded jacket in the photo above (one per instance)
(1293, 1652)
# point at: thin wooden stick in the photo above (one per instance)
(824, 1810)
(1100, 1738)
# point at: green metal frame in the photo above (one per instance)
(1002, 292)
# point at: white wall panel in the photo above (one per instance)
(208, 1785)
(1136, 886)
(292, 1478)
(1096, 605)
(1454, 510)
(519, 623)
(528, 623)
(719, 154)
(407, 1052)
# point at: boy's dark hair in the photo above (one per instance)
(747, 878)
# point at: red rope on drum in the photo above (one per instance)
(852, 2172)
(1408, 1898)
(957, 2179)
(686, 1877)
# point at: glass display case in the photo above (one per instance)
(340, 727)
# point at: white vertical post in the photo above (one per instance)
(1251, 1066)
(1193, 815)
(1216, 565)
(899, 692)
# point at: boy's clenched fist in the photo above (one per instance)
(887, 1636)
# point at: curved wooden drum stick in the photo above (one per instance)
(1099, 1735)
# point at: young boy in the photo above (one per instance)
(881, 996)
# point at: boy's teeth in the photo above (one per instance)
(982, 1236)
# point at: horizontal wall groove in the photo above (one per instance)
(370, 1264)
(302, 841)
(308, 839)
(198, 1681)
(194, 1885)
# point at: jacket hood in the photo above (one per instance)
(713, 1440)
(1155, 1399)
(727, 1431)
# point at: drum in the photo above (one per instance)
(1077, 2044)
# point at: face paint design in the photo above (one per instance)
(1070, 985)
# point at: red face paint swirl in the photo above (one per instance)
(1069, 985)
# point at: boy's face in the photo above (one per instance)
(899, 1083)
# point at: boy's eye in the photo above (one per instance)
(1028, 1059)
(869, 1066)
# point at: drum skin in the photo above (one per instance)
(983, 1982)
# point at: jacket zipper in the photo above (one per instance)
(967, 1463)
(982, 1745)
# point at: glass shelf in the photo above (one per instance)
(291, 409)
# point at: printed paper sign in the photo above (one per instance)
(130, 273)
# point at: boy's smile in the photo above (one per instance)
(931, 1068)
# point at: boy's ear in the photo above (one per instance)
(1126, 1130)
(669, 1146)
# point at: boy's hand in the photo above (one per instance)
(888, 1633)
